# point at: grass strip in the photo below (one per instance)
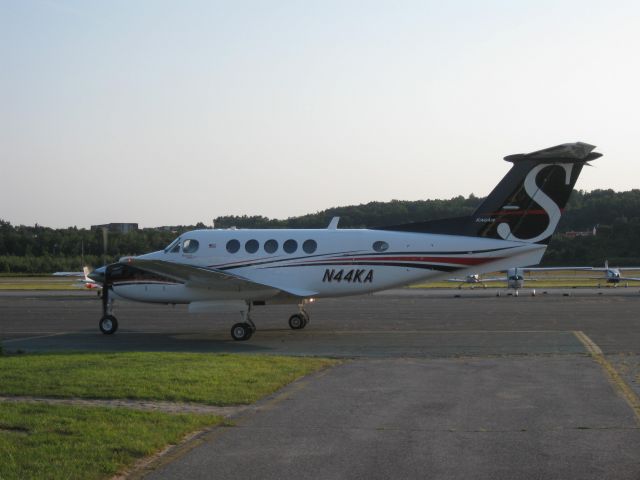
(62, 442)
(36, 286)
(212, 379)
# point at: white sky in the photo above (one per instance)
(165, 112)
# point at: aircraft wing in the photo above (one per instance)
(68, 274)
(629, 279)
(204, 277)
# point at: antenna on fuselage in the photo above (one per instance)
(333, 225)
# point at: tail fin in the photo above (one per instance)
(527, 203)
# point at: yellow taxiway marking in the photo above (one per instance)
(614, 377)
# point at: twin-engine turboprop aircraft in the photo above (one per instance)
(233, 270)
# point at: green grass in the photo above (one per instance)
(47, 282)
(62, 442)
(67, 442)
(213, 379)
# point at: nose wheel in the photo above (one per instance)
(108, 324)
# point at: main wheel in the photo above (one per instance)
(297, 321)
(108, 324)
(241, 331)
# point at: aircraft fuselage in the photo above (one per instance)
(318, 263)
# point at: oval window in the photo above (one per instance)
(190, 246)
(309, 246)
(233, 246)
(290, 246)
(380, 246)
(270, 246)
(251, 246)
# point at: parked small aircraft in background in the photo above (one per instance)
(233, 270)
(84, 282)
(614, 275)
(515, 277)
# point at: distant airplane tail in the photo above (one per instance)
(527, 203)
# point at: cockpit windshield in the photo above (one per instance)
(173, 247)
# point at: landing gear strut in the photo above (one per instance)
(244, 330)
(108, 323)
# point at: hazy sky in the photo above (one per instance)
(177, 112)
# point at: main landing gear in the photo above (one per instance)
(244, 330)
(299, 320)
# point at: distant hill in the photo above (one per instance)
(616, 215)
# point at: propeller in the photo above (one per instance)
(106, 286)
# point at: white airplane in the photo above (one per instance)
(85, 282)
(233, 270)
(614, 275)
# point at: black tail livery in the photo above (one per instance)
(526, 205)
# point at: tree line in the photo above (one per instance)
(616, 216)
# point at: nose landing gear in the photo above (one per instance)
(108, 323)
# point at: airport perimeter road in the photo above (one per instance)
(432, 386)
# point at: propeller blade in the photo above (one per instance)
(105, 290)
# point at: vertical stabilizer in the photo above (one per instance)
(527, 203)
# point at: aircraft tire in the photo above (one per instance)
(297, 321)
(108, 324)
(241, 332)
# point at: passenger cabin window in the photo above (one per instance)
(380, 246)
(270, 246)
(190, 246)
(309, 246)
(233, 246)
(290, 246)
(251, 246)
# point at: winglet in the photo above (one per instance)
(333, 225)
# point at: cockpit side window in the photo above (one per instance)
(173, 247)
(190, 246)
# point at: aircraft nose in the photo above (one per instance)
(97, 275)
